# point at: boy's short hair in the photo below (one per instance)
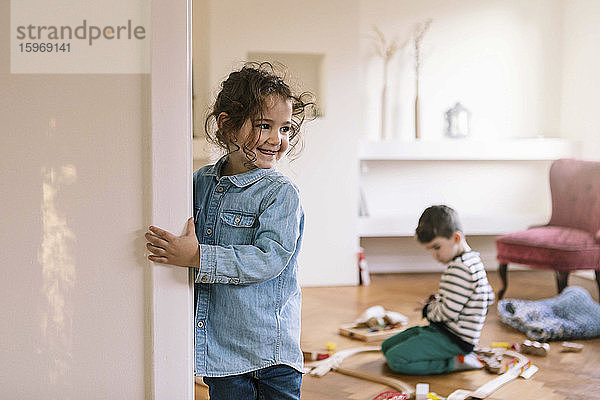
(437, 221)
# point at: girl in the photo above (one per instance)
(244, 241)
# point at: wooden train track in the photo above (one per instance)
(334, 362)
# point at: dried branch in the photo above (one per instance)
(384, 49)
(419, 32)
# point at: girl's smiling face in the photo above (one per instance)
(271, 133)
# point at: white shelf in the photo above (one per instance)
(469, 149)
(392, 225)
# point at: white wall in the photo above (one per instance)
(82, 309)
(73, 206)
(580, 76)
(501, 59)
(326, 170)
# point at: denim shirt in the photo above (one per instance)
(247, 295)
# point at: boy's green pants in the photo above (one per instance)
(420, 350)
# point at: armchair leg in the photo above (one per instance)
(598, 281)
(562, 278)
(502, 271)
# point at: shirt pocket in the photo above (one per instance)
(236, 227)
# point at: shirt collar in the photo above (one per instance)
(240, 180)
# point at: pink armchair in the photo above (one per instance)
(571, 240)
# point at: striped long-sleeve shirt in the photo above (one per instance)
(464, 297)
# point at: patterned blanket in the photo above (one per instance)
(573, 314)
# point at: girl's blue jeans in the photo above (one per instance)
(278, 382)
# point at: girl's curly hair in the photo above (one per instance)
(242, 97)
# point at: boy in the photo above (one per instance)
(455, 315)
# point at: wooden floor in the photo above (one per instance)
(561, 375)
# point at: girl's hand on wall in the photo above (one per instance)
(167, 248)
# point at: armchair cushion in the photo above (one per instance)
(550, 247)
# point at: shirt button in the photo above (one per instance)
(204, 278)
(208, 231)
(237, 220)
(200, 324)
(220, 189)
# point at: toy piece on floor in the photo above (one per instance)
(391, 395)
(434, 396)
(492, 364)
(515, 369)
(331, 347)
(535, 348)
(334, 362)
(314, 355)
(377, 317)
(369, 334)
(528, 370)
(375, 323)
(487, 351)
(421, 391)
(320, 355)
(364, 278)
(491, 357)
(459, 394)
(570, 347)
(320, 368)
